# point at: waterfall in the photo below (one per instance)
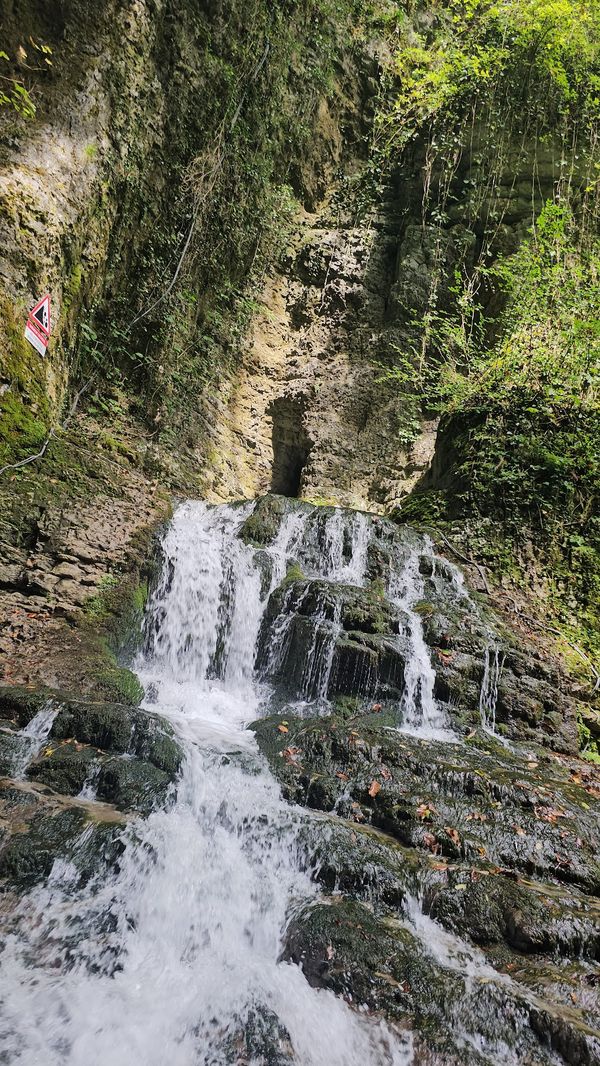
(175, 957)
(421, 714)
(33, 737)
(488, 695)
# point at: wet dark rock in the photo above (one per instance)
(133, 785)
(533, 701)
(462, 801)
(19, 705)
(29, 856)
(379, 964)
(12, 748)
(358, 861)
(66, 769)
(261, 1038)
(355, 630)
(130, 758)
(110, 727)
(263, 524)
(495, 909)
(121, 729)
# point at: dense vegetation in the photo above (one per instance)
(507, 349)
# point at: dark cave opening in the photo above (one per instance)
(291, 445)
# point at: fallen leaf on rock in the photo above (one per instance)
(425, 810)
(519, 832)
(291, 755)
(283, 728)
(374, 788)
(453, 834)
(549, 814)
(376, 708)
(342, 776)
(430, 842)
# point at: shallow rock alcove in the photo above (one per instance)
(291, 445)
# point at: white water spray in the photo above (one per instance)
(421, 714)
(34, 736)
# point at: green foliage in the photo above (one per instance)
(506, 346)
(477, 50)
(521, 402)
(13, 94)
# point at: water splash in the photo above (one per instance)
(488, 695)
(421, 714)
(33, 737)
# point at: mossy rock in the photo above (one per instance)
(469, 803)
(28, 857)
(65, 769)
(111, 727)
(133, 785)
(497, 909)
(262, 526)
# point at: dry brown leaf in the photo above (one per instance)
(430, 842)
(453, 834)
(425, 810)
(374, 788)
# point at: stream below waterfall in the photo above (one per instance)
(176, 957)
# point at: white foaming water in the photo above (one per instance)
(34, 735)
(478, 1018)
(421, 714)
(488, 695)
(174, 958)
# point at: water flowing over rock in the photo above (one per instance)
(417, 903)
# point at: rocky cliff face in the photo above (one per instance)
(309, 412)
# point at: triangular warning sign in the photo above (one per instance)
(41, 314)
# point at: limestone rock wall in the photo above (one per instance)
(312, 381)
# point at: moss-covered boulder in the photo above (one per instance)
(125, 756)
(66, 769)
(323, 638)
(133, 785)
(28, 856)
(478, 801)
(262, 526)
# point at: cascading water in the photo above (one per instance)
(175, 958)
(33, 737)
(488, 696)
(421, 714)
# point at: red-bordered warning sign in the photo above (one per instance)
(40, 314)
(37, 330)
